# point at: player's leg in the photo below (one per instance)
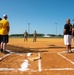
(1, 46)
(26, 38)
(1, 43)
(4, 47)
(5, 41)
(66, 43)
(70, 49)
(67, 48)
(70, 40)
(34, 39)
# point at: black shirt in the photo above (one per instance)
(73, 30)
(68, 28)
(73, 25)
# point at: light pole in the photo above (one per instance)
(56, 28)
(28, 28)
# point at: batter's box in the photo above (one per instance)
(54, 61)
(11, 61)
(67, 56)
(15, 62)
(48, 61)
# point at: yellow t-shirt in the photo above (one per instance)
(3, 27)
(0, 27)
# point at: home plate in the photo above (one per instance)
(33, 58)
(29, 54)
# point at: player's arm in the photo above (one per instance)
(24, 34)
(73, 30)
(8, 27)
(64, 32)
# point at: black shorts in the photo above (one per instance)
(73, 34)
(0, 38)
(4, 38)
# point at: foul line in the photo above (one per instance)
(4, 57)
(66, 58)
(7, 69)
(14, 52)
(59, 69)
(39, 63)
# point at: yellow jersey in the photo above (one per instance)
(0, 27)
(4, 24)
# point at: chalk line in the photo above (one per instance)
(49, 69)
(4, 56)
(14, 52)
(24, 67)
(39, 63)
(7, 69)
(66, 58)
(59, 69)
(29, 54)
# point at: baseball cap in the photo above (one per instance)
(4, 15)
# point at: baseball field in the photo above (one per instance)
(47, 56)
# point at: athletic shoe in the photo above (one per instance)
(5, 52)
(70, 51)
(67, 52)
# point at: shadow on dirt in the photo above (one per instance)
(33, 50)
(56, 47)
(24, 50)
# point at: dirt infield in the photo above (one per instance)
(23, 57)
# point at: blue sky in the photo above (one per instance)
(41, 14)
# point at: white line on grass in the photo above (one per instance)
(39, 63)
(66, 58)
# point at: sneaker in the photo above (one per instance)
(70, 51)
(5, 52)
(67, 52)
